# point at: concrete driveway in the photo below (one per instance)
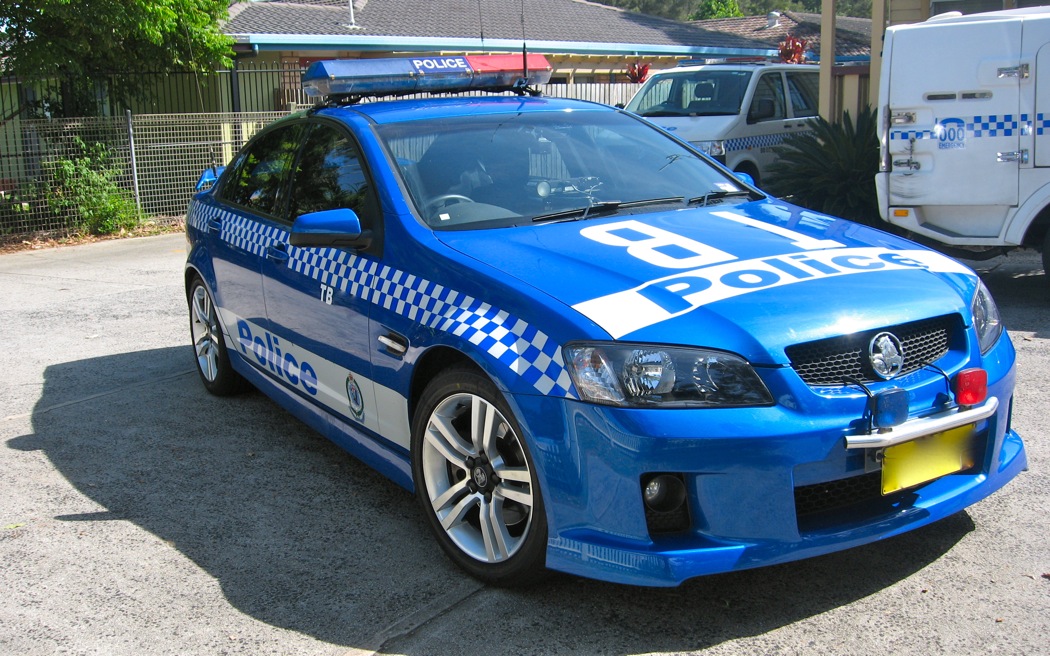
(139, 515)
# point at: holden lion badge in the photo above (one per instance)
(886, 355)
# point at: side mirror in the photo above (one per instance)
(209, 177)
(761, 110)
(744, 177)
(339, 227)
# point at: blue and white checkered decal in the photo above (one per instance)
(760, 141)
(1042, 124)
(526, 351)
(993, 125)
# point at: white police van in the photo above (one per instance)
(966, 131)
(737, 112)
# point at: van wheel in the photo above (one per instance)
(1046, 254)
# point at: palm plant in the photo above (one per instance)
(831, 168)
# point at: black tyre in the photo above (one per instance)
(213, 361)
(1046, 254)
(476, 481)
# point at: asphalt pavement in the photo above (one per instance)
(141, 516)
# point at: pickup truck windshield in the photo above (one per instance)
(692, 93)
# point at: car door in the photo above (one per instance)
(243, 215)
(317, 311)
(804, 94)
(767, 121)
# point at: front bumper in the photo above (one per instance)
(758, 482)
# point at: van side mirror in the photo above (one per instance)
(762, 109)
(338, 227)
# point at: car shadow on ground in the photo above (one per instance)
(302, 536)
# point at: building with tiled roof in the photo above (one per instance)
(852, 35)
(578, 37)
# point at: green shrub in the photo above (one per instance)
(84, 187)
(832, 168)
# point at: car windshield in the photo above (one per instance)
(509, 169)
(692, 93)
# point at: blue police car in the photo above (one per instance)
(584, 346)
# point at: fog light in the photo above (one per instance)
(971, 386)
(664, 493)
(891, 407)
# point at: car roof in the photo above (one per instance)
(397, 111)
(736, 66)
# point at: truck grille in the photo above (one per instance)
(826, 362)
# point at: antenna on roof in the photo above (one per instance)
(481, 24)
(350, 4)
(524, 51)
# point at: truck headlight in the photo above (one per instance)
(634, 375)
(986, 319)
(712, 148)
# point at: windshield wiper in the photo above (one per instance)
(605, 207)
(583, 212)
(717, 195)
(660, 113)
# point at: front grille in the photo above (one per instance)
(825, 363)
(822, 497)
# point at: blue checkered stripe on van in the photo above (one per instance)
(993, 125)
(522, 348)
(1042, 124)
(760, 141)
(996, 126)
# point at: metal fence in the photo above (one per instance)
(151, 159)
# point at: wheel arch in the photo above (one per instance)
(188, 276)
(434, 361)
(1030, 222)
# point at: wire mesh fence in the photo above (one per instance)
(60, 175)
(68, 174)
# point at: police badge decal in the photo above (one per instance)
(353, 395)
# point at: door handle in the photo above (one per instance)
(214, 226)
(1013, 156)
(277, 252)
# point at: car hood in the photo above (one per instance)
(751, 278)
(695, 128)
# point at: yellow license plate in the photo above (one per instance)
(926, 458)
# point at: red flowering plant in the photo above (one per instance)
(637, 71)
(793, 50)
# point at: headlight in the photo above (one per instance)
(985, 318)
(712, 148)
(643, 375)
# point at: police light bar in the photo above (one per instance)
(401, 76)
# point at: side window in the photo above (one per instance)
(768, 103)
(804, 91)
(260, 172)
(331, 175)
